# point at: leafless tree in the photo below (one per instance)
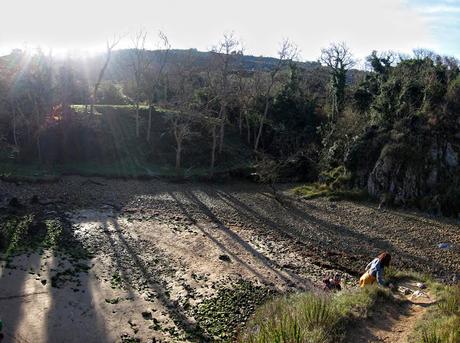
(224, 55)
(421, 54)
(212, 124)
(287, 52)
(155, 77)
(181, 112)
(139, 64)
(111, 44)
(338, 58)
(181, 131)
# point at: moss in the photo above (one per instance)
(317, 190)
(220, 316)
(15, 232)
(116, 281)
(312, 191)
(112, 301)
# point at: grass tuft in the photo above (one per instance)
(441, 324)
(308, 317)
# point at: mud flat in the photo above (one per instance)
(163, 260)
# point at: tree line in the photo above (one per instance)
(309, 119)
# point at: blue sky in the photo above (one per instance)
(365, 25)
(443, 21)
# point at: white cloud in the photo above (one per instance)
(365, 25)
(440, 9)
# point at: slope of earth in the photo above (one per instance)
(393, 322)
(161, 249)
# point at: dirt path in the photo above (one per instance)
(392, 323)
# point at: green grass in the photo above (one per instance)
(34, 172)
(124, 169)
(308, 317)
(119, 153)
(441, 323)
(82, 108)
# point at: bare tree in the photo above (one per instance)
(338, 58)
(155, 77)
(37, 85)
(421, 54)
(181, 131)
(109, 49)
(212, 123)
(287, 52)
(268, 171)
(182, 114)
(244, 95)
(225, 53)
(139, 64)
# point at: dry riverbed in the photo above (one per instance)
(154, 261)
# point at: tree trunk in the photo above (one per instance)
(93, 96)
(240, 122)
(178, 157)
(137, 119)
(262, 122)
(15, 138)
(213, 151)
(222, 128)
(100, 76)
(248, 126)
(39, 149)
(149, 126)
(165, 90)
(37, 139)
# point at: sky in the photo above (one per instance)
(365, 25)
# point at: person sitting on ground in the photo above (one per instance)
(374, 271)
(332, 284)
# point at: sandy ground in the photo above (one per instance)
(161, 248)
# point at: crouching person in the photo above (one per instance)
(374, 271)
(332, 284)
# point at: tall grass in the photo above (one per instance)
(307, 317)
(450, 301)
(442, 322)
(296, 319)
